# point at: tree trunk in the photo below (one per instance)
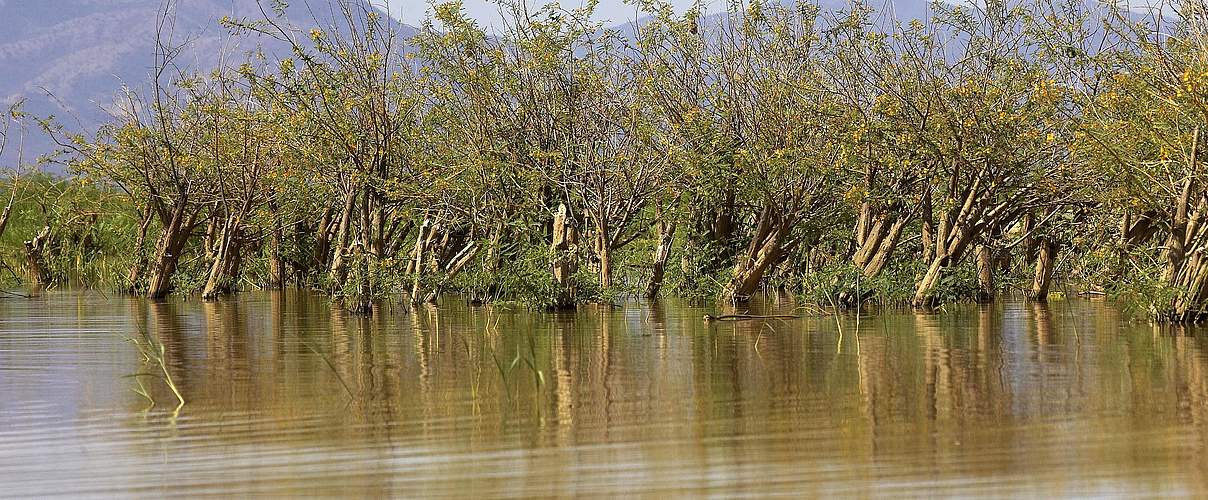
(762, 253)
(1046, 257)
(417, 261)
(878, 244)
(664, 238)
(34, 257)
(7, 210)
(562, 255)
(276, 265)
(985, 273)
(225, 267)
(170, 244)
(339, 269)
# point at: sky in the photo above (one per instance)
(486, 12)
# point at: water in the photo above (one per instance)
(286, 396)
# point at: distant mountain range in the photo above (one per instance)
(69, 58)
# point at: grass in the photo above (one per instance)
(154, 354)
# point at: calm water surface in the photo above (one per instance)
(286, 396)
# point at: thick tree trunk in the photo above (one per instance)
(417, 258)
(34, 250)
(985, 273)
(1046, 257)
(171, 243)
(922, 290)
(225, 268)
(877, 244)
(764, 251)
(276, 265)
(664, 238)
(322, 246)
(339, 269)
(563, 260)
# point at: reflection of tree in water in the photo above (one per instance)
(916, 385)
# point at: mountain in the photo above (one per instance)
(70, 58)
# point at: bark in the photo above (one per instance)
(562, 255)
(664, 238)
(339, 268)
(34, 250)
(1046, 257)
(985, 273)
(764, 251)
(7, 211)
(276, 264)
(877, 244)
(227, 259)
(417, 260)
(453, 267)
(171, 243)
(322, 246)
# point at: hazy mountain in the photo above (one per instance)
(83, 51)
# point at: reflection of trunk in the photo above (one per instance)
(1046, 256)
(664, 238)
(171, 243)
(764, 251)
(562, 255)
(135, 277)
(34, 250)
(1044, 325)
(227, 258)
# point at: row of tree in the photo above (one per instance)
(839, 153)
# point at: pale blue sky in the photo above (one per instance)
(487, 14)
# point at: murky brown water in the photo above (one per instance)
(287, 397)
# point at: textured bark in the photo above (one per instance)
(985, 273)
(664, 238)
(276, 264)
(1186, 266)
(7, 211)
(170, 244)
(1046, 257)
(563, 247)
(34, 250)
(764, 251)
(339, 268)
(227, 259)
